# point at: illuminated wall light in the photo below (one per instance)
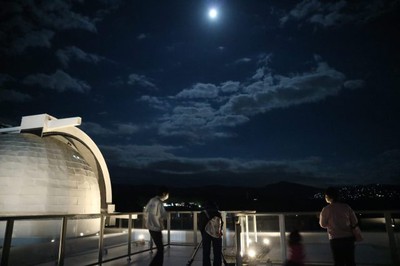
(81, 234)
(252, 253)
(266, 241)
(141, 237)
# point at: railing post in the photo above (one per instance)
(247, 232)
(101, 239)
(195, 228)
(282, 230)
(224, 239)
(169, 228)
(7, 242)
(238, 241)
(255, 228)
(61, 245)
(392, 240)
(243, 248)
(129, 236)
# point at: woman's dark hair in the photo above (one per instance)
(162, 190)
(332, 193)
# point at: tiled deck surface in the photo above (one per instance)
(173, 256)
(84, 251)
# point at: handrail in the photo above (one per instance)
(11, 218)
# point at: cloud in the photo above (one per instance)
(354, 84)
(50, 16)
(73, 52)
(59, 81)
(7, 95)
(59, 15)
(199, 90)
(243, 60)
(338, 13)
(140, 80)
(189, 121)
(228, 121)
(41, 38)
(118, 129)
(161, 158)
(155, 102)
(95, 129)
(138, 156)
(206, 111)
(141, 36)
(14, 96)
(260, 97)
(230, 86)
(127, 129)
(4, 78)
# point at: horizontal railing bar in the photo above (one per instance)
(5, 217)
(14, 217)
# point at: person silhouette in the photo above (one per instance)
(155, 214)
(339, 219)
(211, 236)
(296, 249)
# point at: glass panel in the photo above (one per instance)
(260, 239)
(181, 228)
(38, 238)
(82, 244)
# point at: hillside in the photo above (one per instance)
(277, 197)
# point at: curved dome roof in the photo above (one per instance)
(45, 175)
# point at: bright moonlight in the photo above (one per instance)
(213, 13)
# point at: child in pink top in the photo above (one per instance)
(296, 250)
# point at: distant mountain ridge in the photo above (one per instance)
(276, 197)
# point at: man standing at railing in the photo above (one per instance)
(154, 215)
(339, 219)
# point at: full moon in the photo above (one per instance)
(213, 13)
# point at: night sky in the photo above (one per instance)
(267, 91)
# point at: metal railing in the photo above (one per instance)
(242, 230)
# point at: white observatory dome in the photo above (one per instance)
(45, 176)
(50, 167)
